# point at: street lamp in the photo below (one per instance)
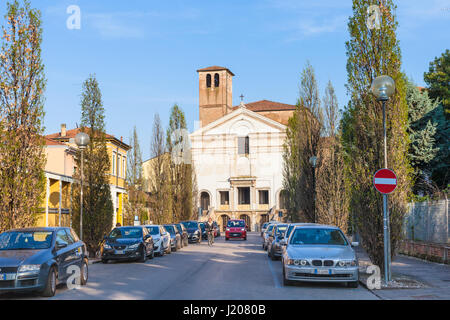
(81, 140)
(313, 162)
(383, 88)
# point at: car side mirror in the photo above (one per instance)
(355, 244)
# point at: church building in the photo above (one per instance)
(237, 152)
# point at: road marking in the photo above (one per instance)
(274, 276)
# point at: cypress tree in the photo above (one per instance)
(373, 52)
(98, 210)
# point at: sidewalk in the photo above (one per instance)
(432, 279)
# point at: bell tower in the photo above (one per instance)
(215, 93)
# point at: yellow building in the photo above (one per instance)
(60, 167)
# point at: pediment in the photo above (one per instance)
(241, 122)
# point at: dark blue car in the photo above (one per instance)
(36, 259)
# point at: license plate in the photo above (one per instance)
(7, 276)
(322, 271)
(119, 252)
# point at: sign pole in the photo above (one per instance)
(387, 242)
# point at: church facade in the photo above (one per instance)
(237, 153)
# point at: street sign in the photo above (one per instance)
(385, 181)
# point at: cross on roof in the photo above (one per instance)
(242, 97)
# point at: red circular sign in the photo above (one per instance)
(385, 181)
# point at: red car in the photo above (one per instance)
(236, 229)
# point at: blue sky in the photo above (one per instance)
(145, 53)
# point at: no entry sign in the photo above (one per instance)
(385, 181)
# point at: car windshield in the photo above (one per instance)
(236, 224)
(190, 224)
(281, 229)
(319, 236)
(170, 229)
(153, 230)
(126, 233)
(26, 240)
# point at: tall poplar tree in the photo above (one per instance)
(136, 196)
(373, 52)
(98, 210)
(22, 85)
(302, 142)
(178, 146)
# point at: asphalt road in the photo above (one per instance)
(229, 270)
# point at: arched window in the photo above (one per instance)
(283, 199)
(208, 81)
(204, 200)
(216, 80)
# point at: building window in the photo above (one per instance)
(118, 165)
(243, 145)
(263, 196)
(208, 81)
(216, 80)
(114, 163)
(283, 199)
(244, 195)
(204, 200)
(224, 197)
(124, 162)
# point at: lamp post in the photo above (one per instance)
(383, 88)
(81, 140)
(313, 162)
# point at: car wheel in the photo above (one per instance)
(176, 247)
(50, 287)
(161, 250)
(143, 255)
(245, 238)
(353, 284)
(226, 239)
(105, 261)
(84, 272)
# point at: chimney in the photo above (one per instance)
(63, 130)
(121, 139)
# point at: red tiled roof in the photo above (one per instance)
(73, 132)
(215, 68)
(50, 142)
(70, 134)
(266, 105)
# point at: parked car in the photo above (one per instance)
(236, 229)
(265, 239)
(275, 245)
(264, 227)
(204, 232)
(161, 239)
(37, 259)
(184, 234)
(320, 253)
(216, 229)
(175, 237)
(194, 231)
(127, 243)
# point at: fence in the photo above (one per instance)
(428, 222)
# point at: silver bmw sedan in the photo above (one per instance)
(319, 253)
